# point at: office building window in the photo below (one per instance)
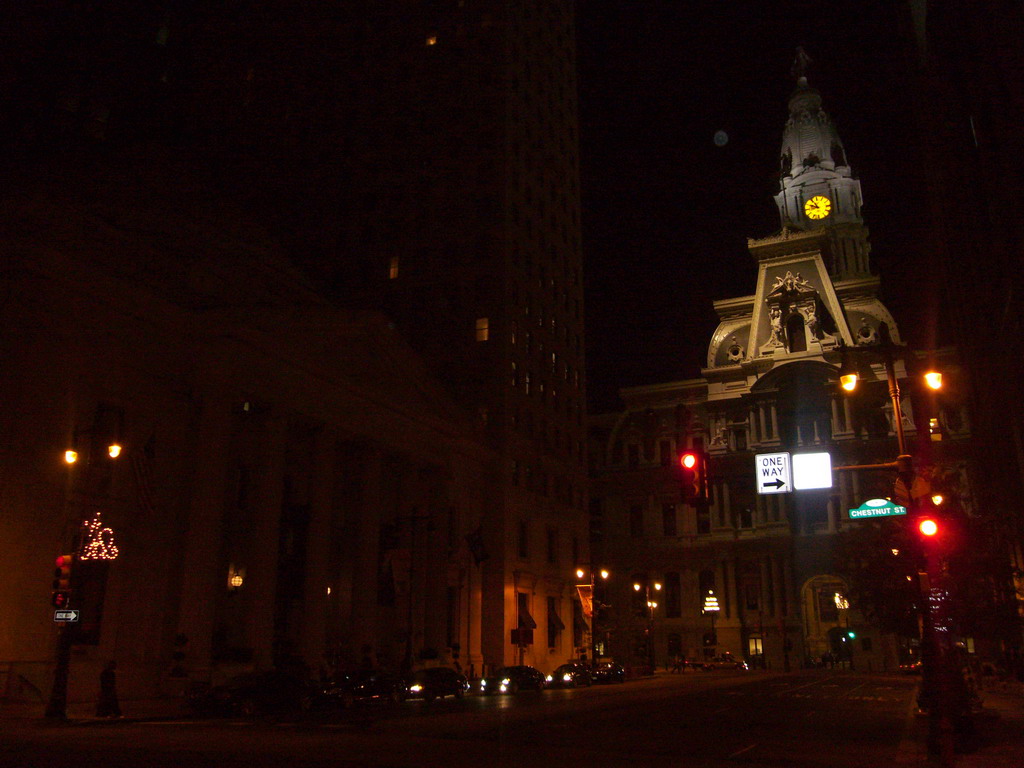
(523, 540)
(555, 623)
(483, 331)
(393, 268)
(636, 521)
(668, 519)
(552, 545)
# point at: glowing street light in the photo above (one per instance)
(933, 379)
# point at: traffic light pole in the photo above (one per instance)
(57, 707)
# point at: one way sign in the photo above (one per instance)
(773, 473)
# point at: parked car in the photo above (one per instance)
(725, 661)
(572, 675)
(363, 687)
(251, 694)
(512, 680)
(608, 672)
(911, 668)
(436, 682)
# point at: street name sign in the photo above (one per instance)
(877, 508)
(812, 470)
(65, 615)
(773, 472)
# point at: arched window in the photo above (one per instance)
(673, 597)
(796, 337)
(838, 155)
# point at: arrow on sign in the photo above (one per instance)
(777, 483)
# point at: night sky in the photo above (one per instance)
(667, 212)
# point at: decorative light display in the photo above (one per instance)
(711, 603)
(99, 541)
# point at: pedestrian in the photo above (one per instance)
(107, 705)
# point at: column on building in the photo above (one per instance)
(367, 552)
(732, 599)
(433, 599)
(315, 597)
(725, 509)
(262, 579)
(766, 597)
(201, 577)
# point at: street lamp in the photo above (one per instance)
(711, 607)
(843, 605)
(91, 541)
(580, 588)
(651, 605)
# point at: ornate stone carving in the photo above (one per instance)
(866, 334)
(735, 352)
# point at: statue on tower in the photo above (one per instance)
(800, 64)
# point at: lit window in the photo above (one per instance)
(393, 268)
(483, 330)
(432, 40)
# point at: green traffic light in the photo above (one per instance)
(851, 635)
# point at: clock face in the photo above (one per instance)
(818, 207)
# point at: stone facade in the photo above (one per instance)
(293, 486)
(770, 384)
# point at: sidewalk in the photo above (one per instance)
(999, 729)
(85, 711)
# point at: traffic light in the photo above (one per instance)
(928, 527)
(693, 467)
(62, 581)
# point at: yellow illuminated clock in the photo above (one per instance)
(818, 207)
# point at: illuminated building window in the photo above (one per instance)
(483, 331)
(432, 40)
(393, 268)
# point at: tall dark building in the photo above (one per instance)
(418, 159)
(966, 68)
(465, 228)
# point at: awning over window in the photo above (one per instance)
(554, 621)
(526, 620)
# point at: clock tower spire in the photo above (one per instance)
(817, 188)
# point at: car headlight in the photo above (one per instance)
(506, 681)
(483, 684)
(549, 678)
(503, 688)
(567, 677)
(416, 688)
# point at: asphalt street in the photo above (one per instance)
(696, 720)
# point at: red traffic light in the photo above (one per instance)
(693, 475)
(62, 581)
(928, 527)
